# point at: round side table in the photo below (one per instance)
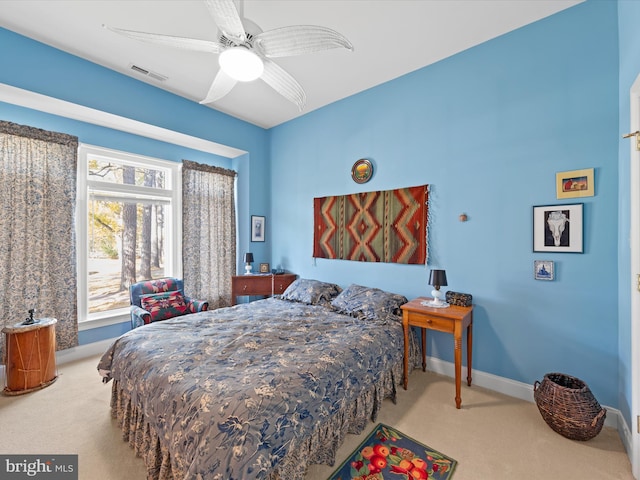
(30, 356)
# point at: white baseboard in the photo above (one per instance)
(524, 391)
(83, 351)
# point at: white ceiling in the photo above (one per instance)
(390, 38)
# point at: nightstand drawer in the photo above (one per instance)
(432, 323)
(281, 282)
(252, 285)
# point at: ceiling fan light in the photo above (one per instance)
(241, 64)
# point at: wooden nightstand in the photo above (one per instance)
(452, 319)
(260, 284)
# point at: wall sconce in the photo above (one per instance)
(248, 260)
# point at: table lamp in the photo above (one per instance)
(248, 260)
(437, 278)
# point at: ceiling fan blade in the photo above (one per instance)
(298, 40)
(221, 85)
(225, 14)
(283, 83)
(171, 41)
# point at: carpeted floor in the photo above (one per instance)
(493, 436)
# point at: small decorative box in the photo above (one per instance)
(459, 299)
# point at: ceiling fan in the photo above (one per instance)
(245, 51)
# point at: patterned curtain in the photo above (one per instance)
(37, 233)
(208, 232)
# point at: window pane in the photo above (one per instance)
(127, 243)
(120, 172)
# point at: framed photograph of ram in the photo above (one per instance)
(558, 228)
(575, 183)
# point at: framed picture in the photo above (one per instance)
(543, 269)
(257, 228)
(264, 268)
(575, 183)
(558, 228)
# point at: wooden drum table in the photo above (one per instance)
(30, 356)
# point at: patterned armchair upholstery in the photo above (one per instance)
(155, 300)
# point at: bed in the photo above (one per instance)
(258, 390)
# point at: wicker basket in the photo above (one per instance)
(568, 406)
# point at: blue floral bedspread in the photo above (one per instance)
(257, 390)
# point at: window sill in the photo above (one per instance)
(104, 320)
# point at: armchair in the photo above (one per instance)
(155, 300)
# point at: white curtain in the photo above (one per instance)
(38, 172)
(208, 232)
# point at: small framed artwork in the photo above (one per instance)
(257, 228)
(558, 228)
(575, 183)
(543, 269)
(264, 268)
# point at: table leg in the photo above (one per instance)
(424, 349)
(458, 361)
(469, 356)
(405, 328)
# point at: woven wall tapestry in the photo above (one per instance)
(386, 226)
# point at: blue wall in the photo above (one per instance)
(488, 129)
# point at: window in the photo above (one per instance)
(128, 228)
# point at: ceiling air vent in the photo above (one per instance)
(147, 73)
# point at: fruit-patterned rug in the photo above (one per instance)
(389, 454)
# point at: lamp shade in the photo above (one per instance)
(248, 258)
(438, 278)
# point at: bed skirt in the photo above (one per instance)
(320, 447)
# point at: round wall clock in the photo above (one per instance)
(362, 171)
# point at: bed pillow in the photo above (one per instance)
(164, 305)
(369, 303)
(311, 292)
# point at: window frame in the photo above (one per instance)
(173, 193)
